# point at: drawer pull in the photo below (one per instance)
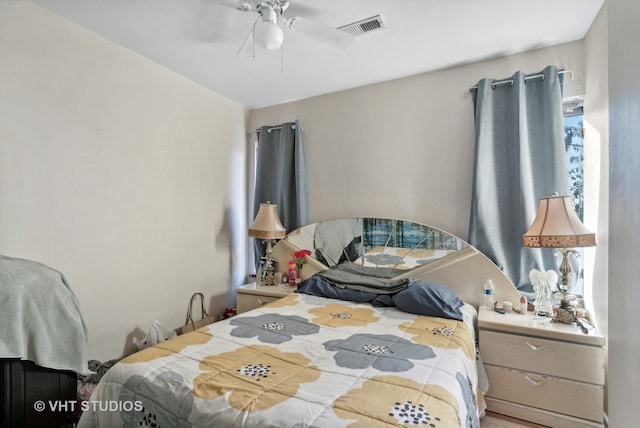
(262, 302)
(535, 382)
(534, 347)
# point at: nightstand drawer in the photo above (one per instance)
(550, 357)
(246, 302)
(252, 296)
(577, 399)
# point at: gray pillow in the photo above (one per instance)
(319, 286)
(424, 298)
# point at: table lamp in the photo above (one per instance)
(557, 226)
(267, 226)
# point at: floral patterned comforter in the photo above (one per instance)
(302, 361)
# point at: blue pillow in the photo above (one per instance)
(319, 286)
(430, 299)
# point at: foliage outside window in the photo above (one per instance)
(574, 144)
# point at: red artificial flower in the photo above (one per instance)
(299, 256)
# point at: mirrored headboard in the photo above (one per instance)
(396, 249)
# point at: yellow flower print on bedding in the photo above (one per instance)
(170, 347)
(257, 376)
(333, 315)
(397, 401)
(441, 333)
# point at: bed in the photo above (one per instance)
(328, 355)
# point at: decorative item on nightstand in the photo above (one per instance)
(295, 266)
(543, 285)
(293, 273)
(267, 226)
(557, 226)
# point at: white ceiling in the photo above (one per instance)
(200, 39)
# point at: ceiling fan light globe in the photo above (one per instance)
(268, 35)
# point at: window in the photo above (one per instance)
(574, 144)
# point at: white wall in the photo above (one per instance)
(596, 162)
(402, 148)
(624, 221)
(596, 159)
(118, 172)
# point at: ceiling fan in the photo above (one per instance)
(267, 33)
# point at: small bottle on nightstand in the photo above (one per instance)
(488, 300)
(523, 305)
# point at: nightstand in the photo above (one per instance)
(251, 296)
(548, 373)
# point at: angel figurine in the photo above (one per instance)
(544, 284)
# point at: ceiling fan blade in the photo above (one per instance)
(240, 5)
(320, 32)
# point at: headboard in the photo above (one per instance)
(396, 248)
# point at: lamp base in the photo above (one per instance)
(565, 315)
(269, 279)
(565, 299)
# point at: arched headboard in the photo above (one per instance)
(397, 249)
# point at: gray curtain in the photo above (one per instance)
(281, 176)
(519, 158)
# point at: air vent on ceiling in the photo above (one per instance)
(365, 26)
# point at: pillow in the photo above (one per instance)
(383, 300)
(319, 286)
(430, 299)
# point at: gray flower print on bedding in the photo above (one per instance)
(272, 328)
(384, 352)
(155, 407)
(469, 400)
(384, 259)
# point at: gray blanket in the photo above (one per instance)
(40, 318)
(356, 277)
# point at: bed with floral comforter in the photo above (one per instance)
(302, 361)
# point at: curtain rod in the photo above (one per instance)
(293, 126)
(533, 76)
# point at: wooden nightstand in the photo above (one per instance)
(251, 296)
(551, 374)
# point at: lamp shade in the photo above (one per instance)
(267, 223)
(557, 226)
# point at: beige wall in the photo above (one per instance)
(596, 160)
(624, 202)
(402, 148)
(119, 173)
(596, 107)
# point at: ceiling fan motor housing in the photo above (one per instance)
(267, 33)
(278, 6)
